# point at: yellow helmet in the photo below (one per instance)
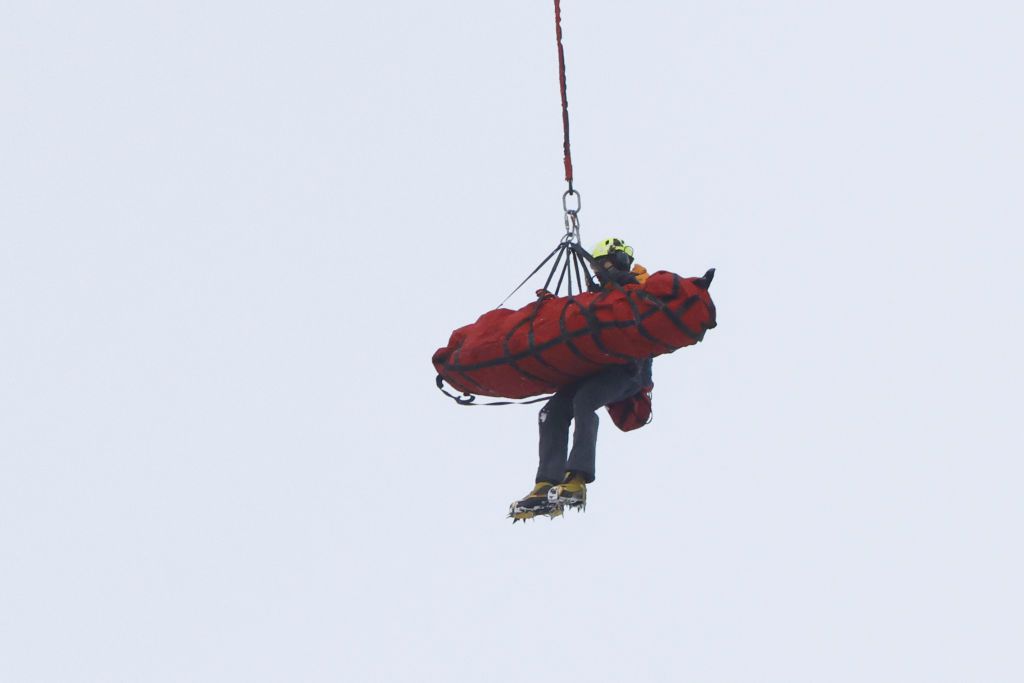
(611, 245)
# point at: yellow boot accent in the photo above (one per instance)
(574, 484)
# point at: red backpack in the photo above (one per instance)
(633, 412)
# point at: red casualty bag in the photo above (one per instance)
(555, 341)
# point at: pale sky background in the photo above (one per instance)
(232, 234)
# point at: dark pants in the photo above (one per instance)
(579, 402)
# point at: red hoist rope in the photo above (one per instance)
(567, 155)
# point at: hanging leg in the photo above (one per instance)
(553, 423)
(610, 385)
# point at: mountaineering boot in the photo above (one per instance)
(571, 493)
(536, 502)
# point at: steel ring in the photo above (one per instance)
(565, 201)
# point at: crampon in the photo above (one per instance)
(519, 513)
(550, 503)
(570, 494)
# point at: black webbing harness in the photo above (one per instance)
(576, 261)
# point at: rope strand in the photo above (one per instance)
(567, 155)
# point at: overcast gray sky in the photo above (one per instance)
(232, 235)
